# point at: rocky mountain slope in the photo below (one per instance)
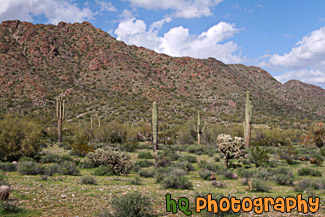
(104, 77)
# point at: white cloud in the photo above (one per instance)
(305, 61)
(54, 10)
(106, 6)
(182, 8)
(179, 42)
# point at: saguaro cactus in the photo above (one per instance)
(60, 114)
(154, 126)
(248, 120)
(198, 128)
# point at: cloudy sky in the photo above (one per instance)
(287, 38)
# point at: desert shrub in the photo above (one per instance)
(229, 174)
(87, 180)
(132, 204)
(260, 185)
(145, 155)
(245, 173)
(209, 166)
(176, 182)
(29, 168)
(7, 167)
(129, 146)
(309, 172)
(146, 173)
(309, 184)
(259, 156)
(3, 180)
(24, 158)
(102, 171)
(263, 173)
(317, 159)
(50, 157)
(218, 184)
(9, 209)
(19, 137)
(118, 162)
(81, 150)
(205, 174)
(87, 164)
(232, 148)
(64, 145)
(190, 158)
(136, 181)
(143, 164)
(289, 154)
(68, 168)
(322, 151)
(283, 176)
(184, 165)
(217, 159)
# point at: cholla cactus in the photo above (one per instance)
(232, 148)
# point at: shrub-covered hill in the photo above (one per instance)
(102, 76)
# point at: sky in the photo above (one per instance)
(286, 38)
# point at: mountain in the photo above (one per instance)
(105, 77)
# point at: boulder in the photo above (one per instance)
(213, 177)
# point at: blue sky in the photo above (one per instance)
(286, 38)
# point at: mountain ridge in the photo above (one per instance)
(101, 74)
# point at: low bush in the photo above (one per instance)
(87, 180)
(7, 167)
(317, 159)
(68, 168)
(102, 171)
(209, 166)
(3, 180)
(145, 155)
(176, 182)
(218, 184)
(118, 162)
(309, 184)
(184, 165)
(190, 158)
(309, 172)
(87, 164)
(136, 181)
(284, 176)
(143, 164)
(132, 204)
(260, 185)
(30, 168)
(205, 174)
(146, 173)
(259, 156)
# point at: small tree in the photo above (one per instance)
(232, 148)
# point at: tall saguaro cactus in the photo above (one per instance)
(60, 114)
(248, 120)
(198, 128)
(154, 126)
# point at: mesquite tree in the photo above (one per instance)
(232, 148)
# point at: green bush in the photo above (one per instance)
(3, 180)
(68, 168)
(205, 174)
(317, 159)
(190, 158)
(309, 172)
(309, 184)
(136, 181)
(146, 173)
(30, 168)
(176, 182)
(87, 180)
(184, 165)
(288, 154)
(143, 164)
(132, 204)
(102, 171)
(8, 167)
(218, 184)
(118, 162)
(260, 185)
(19, 137)
(209, 166)
(284, 176)
(54, 158)
(259, 156)
(145, 155)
